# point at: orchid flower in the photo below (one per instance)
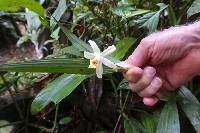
(97, 58)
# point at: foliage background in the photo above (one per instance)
(50, 87)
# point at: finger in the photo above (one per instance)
(152, 88)
(133, 74)
(140, 55)
(151, 101)
(144, 81)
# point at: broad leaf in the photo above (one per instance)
(60, 10)
(126, 11)
(56, 91)
(169, 118)
(65, 120)
(191, 107)
(12, 5)
(76, 42)
(123, 47)
(194, 9)
(150, 20)
(149, 122)
(133, 126)
(70, 66)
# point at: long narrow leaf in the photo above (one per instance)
(70, 66)
(191, 107)
(122, 47)
(76, 42)
(169, 118)
(56, 91)
(60, 10)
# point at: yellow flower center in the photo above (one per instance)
(93, 63)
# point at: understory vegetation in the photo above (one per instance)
(46, 85)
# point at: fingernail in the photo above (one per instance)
(156, 82)
(150, 71)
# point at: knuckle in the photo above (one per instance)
(145, 82)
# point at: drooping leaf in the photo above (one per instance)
(150, 20)
(122, 47)
(56, 91)
(12, 5)
(65, 120)
(76, 42)
(126, 11)
(70, 66)
(190, 106)
(169, 118)
(133, 126)
(60, 10)
(194, 8)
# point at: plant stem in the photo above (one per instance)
(55, 119)
(121, 112)
(43, 129)
(13, 98)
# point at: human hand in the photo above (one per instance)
(164, 59)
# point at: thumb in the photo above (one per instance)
(140, 55)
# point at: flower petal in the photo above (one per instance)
(89, 55)
(94, 46)
(108, 63)
(109, 50)
(99, 70)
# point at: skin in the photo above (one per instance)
(163, 61)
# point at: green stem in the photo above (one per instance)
(121, 112)
(55, 119)
(43, 129)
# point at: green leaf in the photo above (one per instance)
(76, 42)
(72, 50)
(123, 85)
(190, 106)
(150, 20)
(56, 91)
(70, 66)
(126, 11)
(133, 126)
(169, 118)
(65, 120)
(6, 129)
(194, 9)
(60, 10)
(172, 16)
(149, 122)
(123, 47)
(12, 5)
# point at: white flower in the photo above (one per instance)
(98, 57)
